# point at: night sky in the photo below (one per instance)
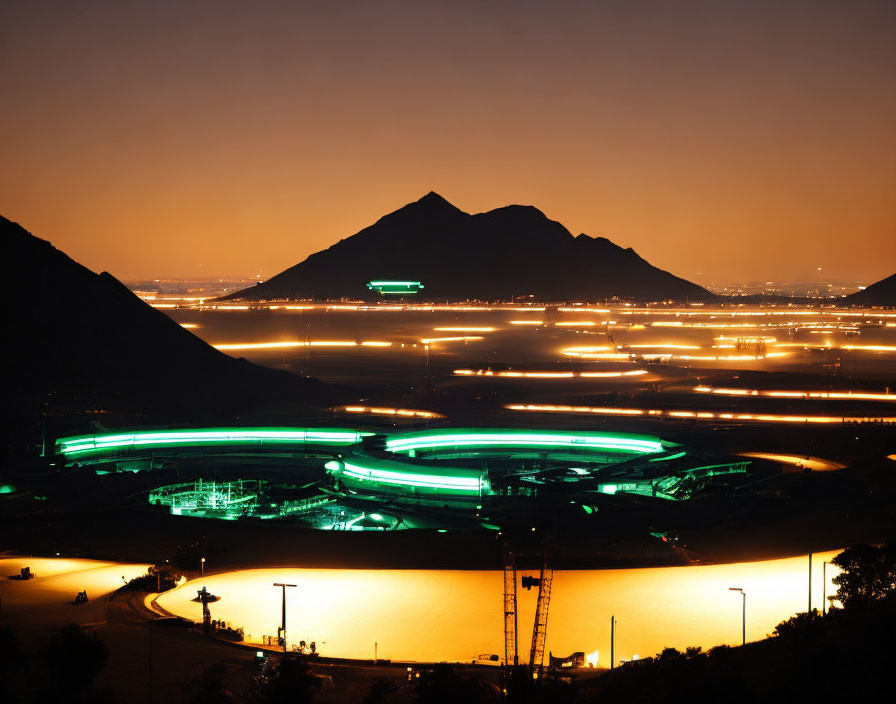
(722, 140)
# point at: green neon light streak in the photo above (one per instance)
(395, 287)
(711, 470)
(669, 457)
(396, 283)
(516, 438)
(84, 444)
(399, 478)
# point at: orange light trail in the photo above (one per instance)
(808, 395)
(549, 375)
(464, 338)
(816, 464)
(870, 348)
(664, 346)
(698, 415)
(379, 411)
(298, 343)
(584, 310)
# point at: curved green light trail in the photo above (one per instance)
(426, 440)
(91, 444)
(397, 469)
(452, 479)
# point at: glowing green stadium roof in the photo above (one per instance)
(202, 437)
(496, 437)
(412, 476)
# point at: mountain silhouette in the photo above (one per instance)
(77, 340)
(500, 254)
(881, 293)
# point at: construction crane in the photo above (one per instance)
(544, 583)
(540, 629)
(511, 657)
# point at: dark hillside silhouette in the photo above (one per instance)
(501, 254)
(79, 340)
(882, 293)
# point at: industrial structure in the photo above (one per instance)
(351, 479)
(395, 288)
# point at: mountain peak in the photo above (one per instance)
(495, 255)
(434, 200)
(517, 212)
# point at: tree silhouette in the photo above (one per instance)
(208, 688)
(12, 664)
(68, 664)
(443, 685)
(288, 681)
(379, 691)
(869, 574)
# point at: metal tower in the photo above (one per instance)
(539, 631)
(511, 658)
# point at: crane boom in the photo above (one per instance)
(539, 631)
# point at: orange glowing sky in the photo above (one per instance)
(722, 140)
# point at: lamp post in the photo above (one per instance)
(612, 641)
(809, 610)
(744, 618)
(202, 567)
(283, 612)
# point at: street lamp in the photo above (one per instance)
(202, 567)
(612, 641)
(744, 619)
(283, 613)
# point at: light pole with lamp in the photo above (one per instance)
(612, 642)
(809, 608)
(202, 567)
(744, 618)
(283, 613)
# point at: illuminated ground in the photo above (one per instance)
(454, 615)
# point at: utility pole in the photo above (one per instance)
(612, 642)
(743, 627)
(283, 612)
(824, 588)
(809, 610)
